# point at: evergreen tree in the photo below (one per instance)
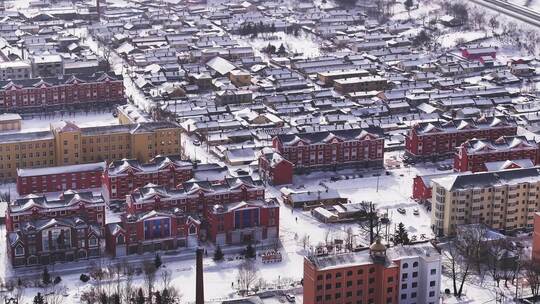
(140, 296)
(166, 296)
(116, 298)
(250, 252)
(401, 236)
(157, 261)
(408, 6)
(46, 276)
(38, 299)
(281, 50)
(103, 298)
(158, 298)
(218, 254)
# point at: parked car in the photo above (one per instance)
(291, 298)
(401, 210)
(416, 212)
(196, 142)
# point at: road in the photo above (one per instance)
(519, 12)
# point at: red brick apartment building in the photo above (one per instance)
(275, 169)
(378, 276)
(440, 138)
(123, 176)
(477, 155)
(332, 149)
(536, 238)
(189, 205)
(54, 179)
(43, 230)
(56, 92)
(243, 222)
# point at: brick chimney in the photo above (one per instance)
(199, 287)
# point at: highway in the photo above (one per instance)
(519, 12)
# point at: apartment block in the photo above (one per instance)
(328, 149)
(440, 138)
(403, 274)
(503, 200)
(477, 155)
(43, 230)
(67, 144)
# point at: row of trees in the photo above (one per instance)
(251, 28)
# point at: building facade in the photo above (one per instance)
(401, 274)
(148, 231)
(58, 92)
(67, 144)
(72, 177)
(440, 138)
(536, 238)
(275, 169)
(243, 222)
(478, 155)
(332, 149)
(42, 230)
(123, 176)
(502, 200)
(15, 70)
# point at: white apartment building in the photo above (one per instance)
(419, 273)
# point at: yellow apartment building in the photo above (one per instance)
(67, 144)
(503, 200)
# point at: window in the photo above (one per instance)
(338, 285)
(390, 279)
(328, 286)
(403, 286)
(404, 276)
(431, 294)
(415, 274)
(349, 283)
(403, 296)
(415, 264)
(414, 284)
(432, 283)
(19, 250)
(338, 275)
(319, 277)
(328, 276)
(413, 295)
(433, 271)
(405, 266)
(349, 273)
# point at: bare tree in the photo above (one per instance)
(55, 294)
(166, 279)
(349, 238)
(128, 290)
(149, 271)
(305, 241)
(247, 276)
(369, 220)
(463, 254)
(532, 273)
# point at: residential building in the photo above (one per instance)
(477, 155)
(503, 200)
(478, 53)
(440, 138)
(363, 84)
(147, 231)
(61, 91)
(332, 149)
(67, 144)
(403, 274)
(62, 178)
(10, 122)
(327, 78)
(275, 169)
(15, 70)
(47, 65)
(536, 238)
(121, 177)
(42, 230)
(244, 222)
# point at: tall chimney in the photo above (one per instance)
(199, 284)
(98, 9)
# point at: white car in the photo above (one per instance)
(196, 142)
(291, 298)
(416, 212)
